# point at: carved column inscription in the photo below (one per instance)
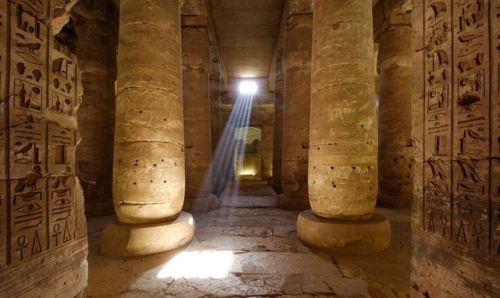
(3, 98)
(437, 118)
(471, 107)
(462, 169)
(42, 93)
(495, 127)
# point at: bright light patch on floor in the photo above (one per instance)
(248, 88)
(198, 264)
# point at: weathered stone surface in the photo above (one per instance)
(297, 72)
(96, 24)
(298, 7)
(394, 90)
(43, 244)
(455, 245)
(343, 127)
(347, 236)
(196, 95)
(279, 89)
(125, 240)
(148, 171)
(265, 260)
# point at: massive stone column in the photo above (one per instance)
(148, 173)
(343, 132)
(196, 93)
(96, 25)
(394, 36)
(297, 71)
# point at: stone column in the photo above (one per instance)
(343, 135)
(196, 93)
(297, 70)
(95, 23)
(148, 173)
(278, 124)
(395, 87)
(215, 102)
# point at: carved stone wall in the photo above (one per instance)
(43, 246)
(96, 24)
(456, 102)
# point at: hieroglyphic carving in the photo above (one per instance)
(462, 122)
(28, 86)
(42, 86)
(437, 118)
(3, 71)
(471, 124)
(495, 124)
(63, 80)
(61, 185)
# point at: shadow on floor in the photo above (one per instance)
(257, 243)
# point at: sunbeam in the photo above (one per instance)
(221, 169)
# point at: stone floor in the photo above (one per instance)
(249, 248)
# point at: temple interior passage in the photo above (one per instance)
(250, 148)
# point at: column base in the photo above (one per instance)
(121, 240)
(345, 236)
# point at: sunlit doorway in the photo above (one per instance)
(248, 156)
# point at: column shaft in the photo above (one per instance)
(395, 145)
(196, 94)
(148, 174)
(343, 135)
(278, 124)
(297, 70)
(97, 38)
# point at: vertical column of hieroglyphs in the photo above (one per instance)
(27, 129)
(437, 117)
(61, 136)
(471, 108)
(3, 98)
(495, 128)
(42, 90)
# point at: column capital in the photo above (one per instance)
(391, 13)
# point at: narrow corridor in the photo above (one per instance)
(249, 248)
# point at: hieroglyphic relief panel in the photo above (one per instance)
(495, 123)
(42, 100)
(61, 144)
(27, 128)
(437, 118)
(471, 124)
(462, 123)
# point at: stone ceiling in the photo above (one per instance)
(248, 31)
